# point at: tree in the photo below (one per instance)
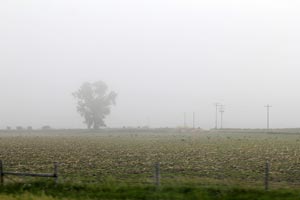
(94, 103)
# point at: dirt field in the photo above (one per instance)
(129, 156)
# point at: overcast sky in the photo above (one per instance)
(162, 57)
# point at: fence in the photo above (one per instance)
(157, 174)
(3, 173)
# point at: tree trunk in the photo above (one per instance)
(96, 126)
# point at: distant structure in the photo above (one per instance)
(268, 115)
(46, 127)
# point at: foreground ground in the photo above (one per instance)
(214, 159)
(109, 190)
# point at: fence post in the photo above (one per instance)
(157, 174)
(267, 171)
(1, 173)
(55, 175)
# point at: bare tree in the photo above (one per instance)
(94, 103)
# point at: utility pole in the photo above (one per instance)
(216, 121)
(222, 112)
(268, 115)
(184, 120)
(193, 120)
(148, 122)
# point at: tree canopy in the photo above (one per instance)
(94, 103)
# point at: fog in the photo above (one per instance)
(164, 58)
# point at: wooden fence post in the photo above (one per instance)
(157, 174)
(1, 173)
(55, 172)
(267, 171)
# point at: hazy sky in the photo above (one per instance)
(163, 58)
